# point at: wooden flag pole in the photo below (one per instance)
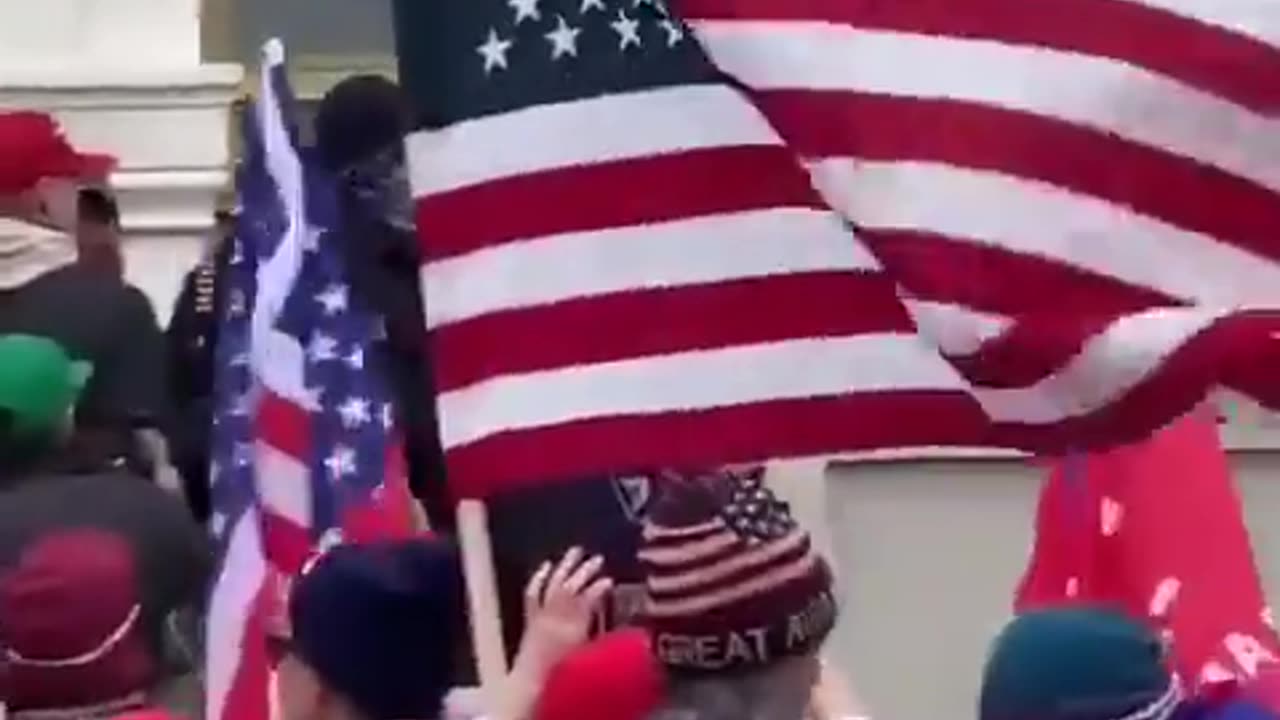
(482, 600)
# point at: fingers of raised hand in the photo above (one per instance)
(583, 574)
(596, 592)
(568, 564)
(575, 580)
(536, 588)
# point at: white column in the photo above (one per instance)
(126, 77)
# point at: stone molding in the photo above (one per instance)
(170, 128)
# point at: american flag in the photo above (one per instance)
(1079, 199)
(626, 267)
(304, 450)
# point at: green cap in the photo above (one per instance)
(39, 383)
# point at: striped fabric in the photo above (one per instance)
(731, 581)
(1079, 199)
(751, 546)
(303, 443)
(626, 268)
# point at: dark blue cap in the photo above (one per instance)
(378, 623)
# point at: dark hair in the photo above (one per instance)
(19, 452)
(98, 206)
(359, 117)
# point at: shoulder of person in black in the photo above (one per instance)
(107, 323)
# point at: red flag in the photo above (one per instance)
(1157, 528)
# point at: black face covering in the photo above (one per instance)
(380, 183)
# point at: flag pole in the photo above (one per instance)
(482, 600)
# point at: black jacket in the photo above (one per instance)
(111, 325)
(191, 338)
(383, 267)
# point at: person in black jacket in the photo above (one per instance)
(191, 337)
(44, 291)
(360, 129)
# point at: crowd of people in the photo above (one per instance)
(104, 516)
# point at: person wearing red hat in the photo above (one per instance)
(44, 493)
(613, 677)
(69, 623)
(45, 291)
(33, 149)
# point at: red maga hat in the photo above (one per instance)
(69, 617)
(32, 148)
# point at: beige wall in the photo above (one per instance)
(928, 555)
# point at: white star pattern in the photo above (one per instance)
(354, 413)
(218, 524)
(341, 462)
(243, 454)
(356, 359)
(564, 40)
(310, 401)
(525, 10)
(322, 348)
(588, 5)
(628, 30)
(494, 51)
(242, 405)
(675, 33)
(311, 238)
(334, 299)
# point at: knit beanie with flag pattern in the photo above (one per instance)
(732, 582)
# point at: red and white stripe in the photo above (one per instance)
(271, 539)
(1079, 199)
(649, 278)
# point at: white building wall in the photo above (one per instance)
(928, 553)
(126, 77)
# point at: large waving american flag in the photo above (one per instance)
(303, 444)
(626, 267)
(1078, 199)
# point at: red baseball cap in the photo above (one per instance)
(32, 148)
(614, 677)
(69, 619)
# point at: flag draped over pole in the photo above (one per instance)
(303, 443)
(624, 266)
(1078, 199)
(1156, 528)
